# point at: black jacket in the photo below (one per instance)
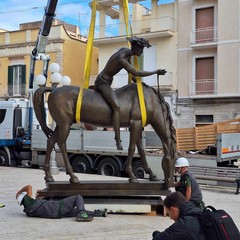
(187, 227)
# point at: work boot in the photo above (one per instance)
(82, 216)
(100, 213)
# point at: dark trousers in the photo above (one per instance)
(71, 206)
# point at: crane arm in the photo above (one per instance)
(38, 53)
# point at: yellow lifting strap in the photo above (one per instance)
(138, 79)
(88, 61)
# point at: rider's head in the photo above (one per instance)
(138, 44)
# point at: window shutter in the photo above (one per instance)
(23, 80)
(10, 80)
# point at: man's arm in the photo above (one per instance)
(175, 231)
(27, 189)
(188, 192)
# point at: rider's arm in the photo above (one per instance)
(129, 68)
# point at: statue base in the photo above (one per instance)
(109, 192)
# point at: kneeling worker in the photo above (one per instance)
(185, 216)
(68, 207)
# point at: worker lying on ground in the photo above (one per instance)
(72, 206)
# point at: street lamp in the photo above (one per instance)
(40, 80)
(55, 79)
(66, 80)
(54, 67)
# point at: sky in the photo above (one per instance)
(77, 12)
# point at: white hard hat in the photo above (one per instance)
(20, 197)
(181, 162)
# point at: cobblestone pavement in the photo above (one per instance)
(14, 224)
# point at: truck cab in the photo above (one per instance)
(14, 134)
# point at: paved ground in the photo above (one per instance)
(14, 224)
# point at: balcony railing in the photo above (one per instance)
(144, 26)
(203, 87)
(204, 35)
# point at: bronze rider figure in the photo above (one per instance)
(118, 61)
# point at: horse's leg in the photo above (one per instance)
(147, 169)
(167, 141)
(63, 133)
(50, 144)
(135, 132)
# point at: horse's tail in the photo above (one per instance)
(173, 132)
(169, 121)
(38, 104)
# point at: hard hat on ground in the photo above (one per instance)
(182, 162)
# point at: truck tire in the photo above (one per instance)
(138, 169)
(4, 159)
(108, 167)
(81, 164)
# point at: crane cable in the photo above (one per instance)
(88, 61)
(138, 79)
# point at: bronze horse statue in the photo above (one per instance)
(62, 107)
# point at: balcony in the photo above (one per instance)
(161, 27)
(203, 87)
(204, 37)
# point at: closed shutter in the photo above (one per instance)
(10, 80)
(23, 79)
(205, 24)
(205, 81)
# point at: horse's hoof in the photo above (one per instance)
(74, 180)
(119, 146)
(154, 178)
(49, 179)
(133, 180)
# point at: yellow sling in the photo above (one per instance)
(88, 61)
(138, 79)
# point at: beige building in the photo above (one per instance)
(65, 46)
(156, 24)
(208, 61)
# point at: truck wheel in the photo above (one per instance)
(138, 169)
(4, 160)
(80, 164)
(108, 167)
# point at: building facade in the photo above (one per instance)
(65, 46)
(208, 77)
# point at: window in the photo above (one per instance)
(205, 24)
(17, 80)
(204, 79)
(2, 115)
(203, 120)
